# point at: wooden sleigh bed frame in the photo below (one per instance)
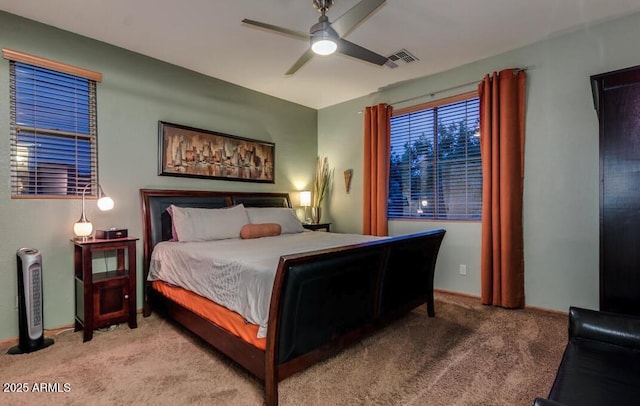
(322, 301)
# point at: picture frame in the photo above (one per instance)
(196, 153)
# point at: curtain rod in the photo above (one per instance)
(431, 94)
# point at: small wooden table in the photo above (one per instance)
(104, 298)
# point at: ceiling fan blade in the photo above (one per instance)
(301, 61)
(348, 21)
(292, 33)
(356, 51)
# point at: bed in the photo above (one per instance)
(319, 301)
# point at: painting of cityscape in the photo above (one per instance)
(191, 152)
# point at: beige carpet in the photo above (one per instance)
(468, 354)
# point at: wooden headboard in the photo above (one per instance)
(156, 222)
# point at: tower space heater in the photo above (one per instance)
(30, 303)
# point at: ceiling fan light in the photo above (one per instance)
(323, 40)
(324, 46)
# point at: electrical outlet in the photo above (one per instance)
(463, 269)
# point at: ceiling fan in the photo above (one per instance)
(327, 37)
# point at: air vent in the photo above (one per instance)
(401, 56)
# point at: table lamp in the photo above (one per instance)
(305, 201)
(83, 227)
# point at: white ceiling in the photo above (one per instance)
(207, 36)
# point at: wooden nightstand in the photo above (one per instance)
(105, 298)
(316, 227)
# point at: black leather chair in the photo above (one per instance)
(601, 363)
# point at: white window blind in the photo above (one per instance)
(53, 132)
(435, 168)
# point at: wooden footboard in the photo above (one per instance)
(323, 301)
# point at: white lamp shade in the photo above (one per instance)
(83, 228)
(105, 203)
(305, 198)
(324, 47)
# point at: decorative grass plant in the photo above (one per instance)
(322, 180)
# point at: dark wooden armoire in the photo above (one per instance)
(617, 101)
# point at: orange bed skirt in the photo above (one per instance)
(219, 315)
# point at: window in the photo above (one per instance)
(53, 128)
(435, 170)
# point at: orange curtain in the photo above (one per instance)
(377, 136)
(502, 111)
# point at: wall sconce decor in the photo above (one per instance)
(83, 227)
(347, 179)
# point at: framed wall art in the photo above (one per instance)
(196, 153)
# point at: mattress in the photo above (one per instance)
(235, 273)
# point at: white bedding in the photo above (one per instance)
(236, 273)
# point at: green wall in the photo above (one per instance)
(561, 197)
(135, 93)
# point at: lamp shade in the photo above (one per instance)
(305, 198)
(105, 203)
(83, 229)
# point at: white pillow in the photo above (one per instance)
(289, 222)
(196, 224)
